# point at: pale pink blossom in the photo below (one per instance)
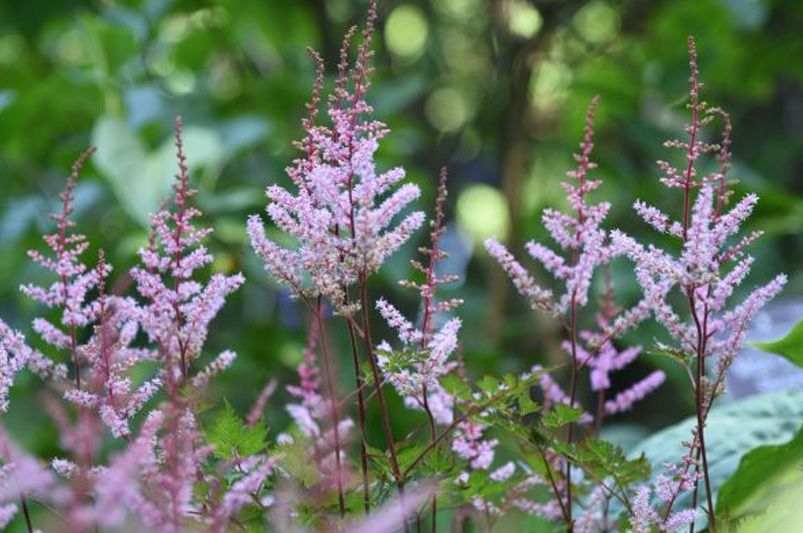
(345, 217)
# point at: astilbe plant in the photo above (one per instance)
(708, 331)
(586, 246)
(153, 480)
(343, 217)
(126, 373)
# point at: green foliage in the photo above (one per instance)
(763, 473)
(115, 75)
(732, 431)
(232, 438)
(601, 460)
(561, 415)
(790, 346)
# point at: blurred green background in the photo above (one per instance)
(494, 89)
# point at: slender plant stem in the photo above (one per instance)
(327, 363)
(694, 493)
(572, 397)
(355, 352)
(26, 513)
(380, 396)
(554, 485)
(699, 395)
(433, 435)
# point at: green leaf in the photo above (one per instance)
(763, 473)
(790, 346)
(456, 387)
(141, 179)
(231, 437)
(562, 415)
(732, 431)
(526, 403)
(605, 459)
(785, 514)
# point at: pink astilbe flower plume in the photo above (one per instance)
(313, 413)
(710, 264)
(110, 357)
(578, 234)
(584, 246)
(343, 215)
(119, 487)
(74, 281)
(21, 476)
(667, 487)
(416, 369)
(178, 308)
(15, 355)
(345, 218)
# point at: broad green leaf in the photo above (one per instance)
(790, 346)
(763, 474)
(732, 431)
(784, 514)
(141, 179)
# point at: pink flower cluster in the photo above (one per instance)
(154, 477)
(587, 246)
(178, 308)
(712, 262)
(344, 212)
(14, 357)
(578, 234)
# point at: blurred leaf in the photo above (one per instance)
(785, 514)
(142, 180)
(243, 132)
(732, 431)
(763, 473)
(790, 346)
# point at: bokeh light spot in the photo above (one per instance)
(549, 85)
(523, 19)
(596, 22)
(482, 212)
(447, 109)
(406, 32)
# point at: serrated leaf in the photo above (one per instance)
(526, 404)
(456, 387)
(562, 415)
(489, 384)
(231, 437)
(790, 346)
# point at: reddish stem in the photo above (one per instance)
(330, 382)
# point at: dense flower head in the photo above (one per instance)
(711, 262)
(74, 280)
(14, 357)
(343, 216)
(109, 357)
(578, 234)
(178, 308)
